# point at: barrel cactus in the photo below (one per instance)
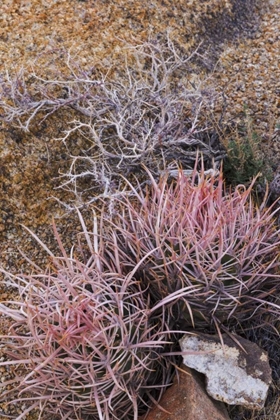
(84, 340)
(217, 243)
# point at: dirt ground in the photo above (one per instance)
(238, 45)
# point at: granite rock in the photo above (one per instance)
(235, 374)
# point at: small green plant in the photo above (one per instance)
(240, 164)
(244, 158)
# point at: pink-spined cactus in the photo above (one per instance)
(84, 340)
(196, 233)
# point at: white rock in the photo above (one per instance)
(233, 375)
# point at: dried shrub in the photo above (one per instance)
(146, 111)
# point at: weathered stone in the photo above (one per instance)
(187, 399)
(233, 375)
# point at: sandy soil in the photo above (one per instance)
(239, 45)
